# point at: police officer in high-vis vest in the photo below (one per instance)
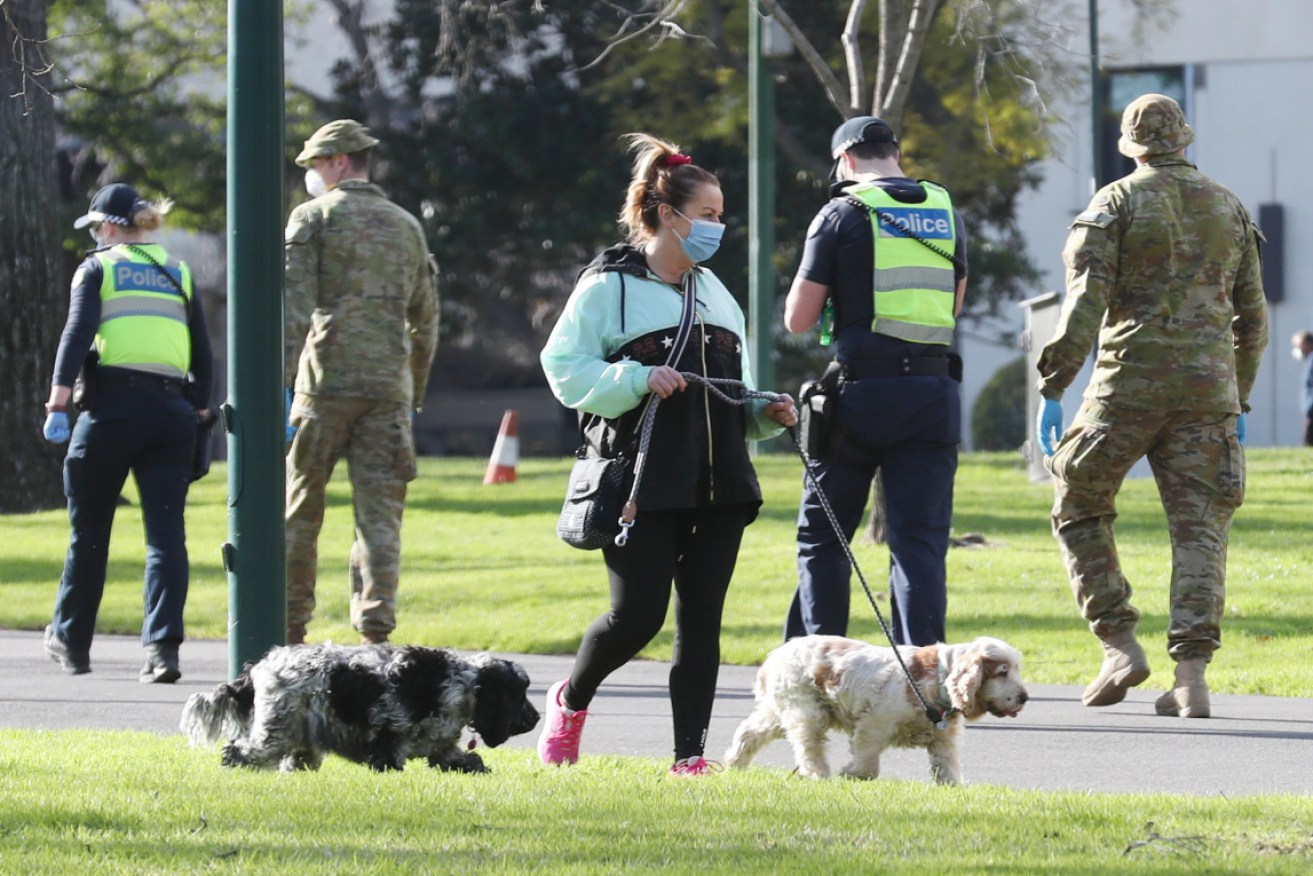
(147, 381)
(884, 273)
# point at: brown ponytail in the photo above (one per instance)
(662, 175)
(151, 217)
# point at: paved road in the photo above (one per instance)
(1252, 745)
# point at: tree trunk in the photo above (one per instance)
(31, 279)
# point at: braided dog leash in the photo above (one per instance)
(630, 510)
(934, 715)
(713, 384)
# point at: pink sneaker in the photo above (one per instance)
(694, 766)
(559, 742)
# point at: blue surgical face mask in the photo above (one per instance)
(703, 238)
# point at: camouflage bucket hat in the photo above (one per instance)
(1153, 124)
(341, 137)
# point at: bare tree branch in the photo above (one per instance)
(33, 70)
(893, 21)
(852, 52)
(378, 103)
(660, 19)
(150, 86)
(909, 57)
(829, 82)
(1025, 38)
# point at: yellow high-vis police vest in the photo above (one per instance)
(143, 319)
(914, 287)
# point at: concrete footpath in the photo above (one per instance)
(1252, 745)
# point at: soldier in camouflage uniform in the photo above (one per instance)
(1164, 268)
(361, 331)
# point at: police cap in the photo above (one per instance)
(116, 204)
(1153, 124)
(341, 137)
(862, 129)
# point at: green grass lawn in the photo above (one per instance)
(482, 568)
(107, 803)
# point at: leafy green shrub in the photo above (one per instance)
(998, 421)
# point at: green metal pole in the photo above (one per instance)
(1096, 100)
(761, 206)
(253, 414)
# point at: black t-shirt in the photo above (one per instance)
(840, 254)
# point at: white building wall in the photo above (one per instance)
(1252, 73)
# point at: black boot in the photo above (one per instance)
(73, 662)
(161, 664)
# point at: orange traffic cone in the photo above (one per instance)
(505, 452)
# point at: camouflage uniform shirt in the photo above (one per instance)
(361, 297)
(1164, 267)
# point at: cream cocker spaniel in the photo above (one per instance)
(813, 684)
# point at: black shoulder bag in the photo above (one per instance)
(595, 495)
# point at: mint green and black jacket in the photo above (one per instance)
(617, 325)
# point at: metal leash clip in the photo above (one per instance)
(628, 515)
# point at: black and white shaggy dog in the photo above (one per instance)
(374, 704)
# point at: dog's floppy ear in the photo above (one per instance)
(499, 701)
(965, 677)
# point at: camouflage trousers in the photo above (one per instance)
(1199, 466)
(375, 437)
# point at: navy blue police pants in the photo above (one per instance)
(152, 438)
(909, 429)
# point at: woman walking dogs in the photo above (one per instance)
(606, 357)
(136, 310)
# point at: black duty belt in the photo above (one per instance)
(138, 380)
(896, 366)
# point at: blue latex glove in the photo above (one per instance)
(287, 415)
(56, 427)
(1048, 425)
(1240, 428)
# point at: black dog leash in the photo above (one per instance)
(934, 715)
(630, 509)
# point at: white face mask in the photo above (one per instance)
(314, 183)
(1297, 354)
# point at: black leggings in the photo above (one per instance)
(696, 549)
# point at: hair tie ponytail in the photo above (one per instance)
(649, 187)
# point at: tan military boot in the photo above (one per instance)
(296, 634)
(1189, 698)
(1124, 666)
(373, 637)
